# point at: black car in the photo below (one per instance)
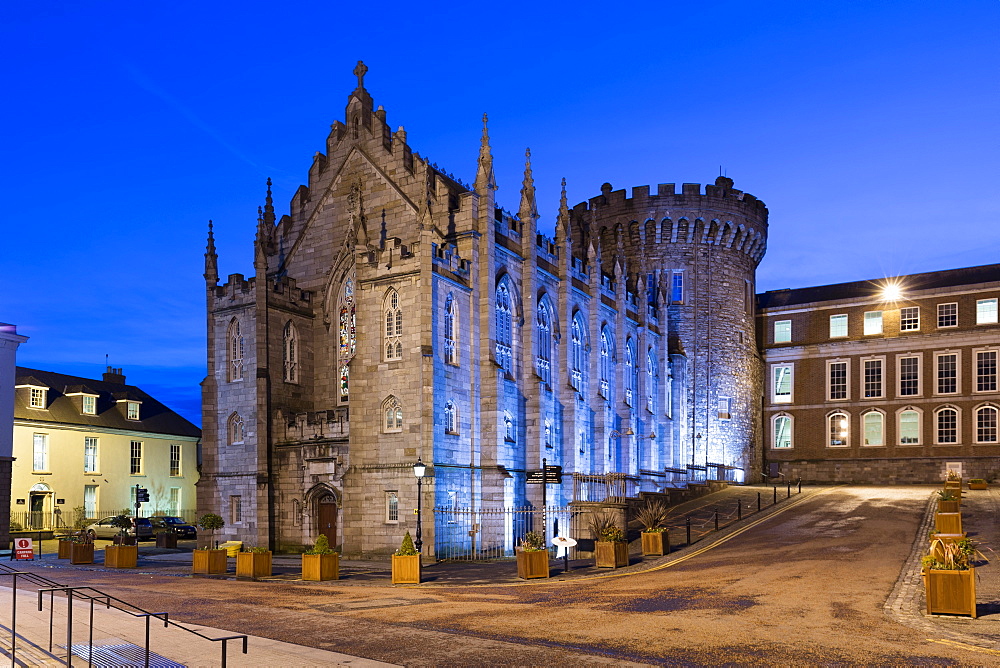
(163, 523)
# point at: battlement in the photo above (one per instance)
(721, 194)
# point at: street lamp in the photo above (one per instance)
(418, 470)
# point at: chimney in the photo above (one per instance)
(113, 375)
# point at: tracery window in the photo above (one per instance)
(235, 349)
(607, 364)
(348, 321)
(653, 374)
(450, 418)
(504, 353)
(393, 326)
(290, 353)
(450, 330)
(578, 355)
(548, 434)
(631, 373)
(544, 341)
(235, 429)
(392, 411)
(345, 381)
(509, 432)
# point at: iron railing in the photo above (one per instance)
(473, 534)
(605, 487)
(56, 520)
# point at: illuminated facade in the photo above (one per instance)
(397, 313)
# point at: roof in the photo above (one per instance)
(156, 418)
(988, 273)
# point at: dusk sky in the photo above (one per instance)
(869, 129)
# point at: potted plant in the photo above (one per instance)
(651, 518)
(321, 562)
(65, 547)
(947, 502)
(950, 577)
(123, 553)
(952, 476)
(82, 550)
(406, 563)
(977, 483)
(208, 560)
(254, 562)
(610, 546)
(532, 557)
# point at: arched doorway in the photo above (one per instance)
(39, 506)
(326, 518)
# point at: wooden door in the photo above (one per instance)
(328, 519)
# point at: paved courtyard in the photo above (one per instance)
(830, 576)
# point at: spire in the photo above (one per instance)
(528, 207)
(211, 259)
(268, 206)
(484, 175)
(259, 256)
(563, 220)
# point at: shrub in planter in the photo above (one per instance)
(65, 547)
(210, 561)
(532, 557)
(977, 483)
(949, 577)
(406, 563)
(651, 518)
(610, 546)
(255, 562)
(82, 550)
(321, 562)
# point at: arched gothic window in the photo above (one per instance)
(235, 429)
(345, 381)
(504, 351)
(631, 373)
(578, 355)
(607, 364)
(393, 326)
(392, 411)
(668, 392)
(348, 321)
(235, 349)
(450, 330)
(548, 434)
(653, 381)
(544, 341)
(290, 353)
(450, 418)
(509, 432)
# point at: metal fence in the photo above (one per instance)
(472, 534)
(606, 487)
(26, 520)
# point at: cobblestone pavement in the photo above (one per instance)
(821, 578)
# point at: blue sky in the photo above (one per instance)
(869, 129)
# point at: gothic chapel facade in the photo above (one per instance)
(395, 314)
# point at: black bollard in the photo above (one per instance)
(789, 491)
(739, 510)
(775, 494)
(666, 542)
(758, 502)
(689, 530)
(716, 520)
(800, 485)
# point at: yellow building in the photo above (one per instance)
(82, 446)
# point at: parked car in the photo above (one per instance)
(162, 523)
(141, 529)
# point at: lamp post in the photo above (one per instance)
(418, 470)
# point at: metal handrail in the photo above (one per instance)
(109, 601)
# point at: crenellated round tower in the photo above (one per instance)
(693, 255)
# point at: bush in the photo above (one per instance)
(322, 546)
(652, 516)
(604, 528)
(406, 549)
(532, 542)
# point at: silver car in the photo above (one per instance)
(141, 529)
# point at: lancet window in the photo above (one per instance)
(393, 326)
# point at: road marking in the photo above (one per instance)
(962, 645)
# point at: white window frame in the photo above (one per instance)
(790, 432)
(136, 460)
(938, 354)
(864, 377)
(391, 506)
(39, 453)
(88, 405)
(174, 501)
(864, 429)
(871, 328)
(976, 378)
(784, 398)
(996, 424)
(132, 410)
(91, 454)
(920, 425)
(838, 326)
(782, 331)
(911, 318)
(725, 406)
(235, 509)
(986, 311)
(899, 375)
(958, 425)
(176, 462)
(90, 504)
(941, 314)
(846, 429)
(38, 397)
(847, 379)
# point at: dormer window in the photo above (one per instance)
(89, 405)
(38, 397)
(132, 410)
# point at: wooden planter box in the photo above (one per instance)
(978, 485)
(951, 592)
(318, 567)
(253, 565)
(610, 555)
(948, 507)
(653, 544)
(212, 562)
(406, 569)
(121, 556)
(81, 553)
(534, 564)
(123, 540)
(168, 540)
(65, 547)
(948, 522)
(948, 537)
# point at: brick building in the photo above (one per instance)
(396, 313)
(883, 381)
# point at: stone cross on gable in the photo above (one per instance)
(359, 72)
